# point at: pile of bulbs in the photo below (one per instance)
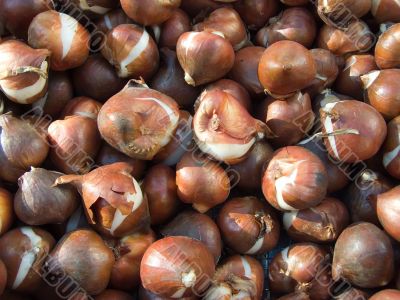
(163, 149)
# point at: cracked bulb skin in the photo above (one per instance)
(124, 124)
(294, 179)
(248, 226)
(165, 275)
(114, 203)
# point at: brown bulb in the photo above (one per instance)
(386, 11)
(64, 36)
(144, 294)
(288, 120)
(331, 10)
(124, 123)
(81, 106)
(387, 48)
(24, 250)
(169, 80)
(108, 155)
(348, 81)
(187, 277)
(18, 155)
(240, 277)
(74, 142)
(197, 49)
(128, 251)
(320, 224)
(97, 79)
(37, 202)
(245, 69)
(294, 24)
(113, 295)
(295, 179)
(132, 51)
(23, 72)
(173, 28)
(94, 8)
(351, 294)
(286, 67)
(159, 186)
(197, 226)
(113, 200)
(66, 258)
(111, 20)
(248, 226)
(255, 13)
(363, 256)
(152, 12)
(388, 210)
(295, 295)
(386, 295)
(3, 277)
(201, 181)
(6, 211)
(249, 172)
(294, 2)
(391, 148)
(196, 8)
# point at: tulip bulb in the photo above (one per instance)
(386, 10)
(387, 48)
(6, 211)
(23, 71)
(391, 148)
(124, 121)
(113, 200)
(388, 210)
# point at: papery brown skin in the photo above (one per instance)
(330, 11)
(114, 295)
(125, 124)
(81, 106)
(300, 267)
(180, 142)
(358, 38)
(383, 92)
(97, 79)
(200, 8)
(295, 295)
(245, 69)
(294, 179)
(3, 277)
(6, 211)
(169, 80)
(37, 202)
(16, 15)
(113, 200)
(173, 28)
(248, 225)
(361, 196)
(47, 31)
(201, 181)
(228, 21)
(60, 91)
(237, 277)
(295, 24)
(286, 67)
(111, 20)
(388, 210)
(351, 294)
(388, 294)
(327, 71)
(144, 294)
(129, 250)
(15, 246)
(255, 13)
(233, 88)
(108, 155)
(122, 43)
(75, 142)
(391, 157)
(368, 265)
(22, 67)
(179, 278)
(152, 12)
(204, 56)
(250, 171)
(325, 97)
(159, 186)
(320, 224)
(220, 136)
(197, 226)
(385, 11)
(367, 130)
(94, 8)
(22, 146)
(288, 120)
(348, 81)
(387, 48)
(67, 257)
(337, 176)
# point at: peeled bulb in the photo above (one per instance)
(217, 134)
(23, 71)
